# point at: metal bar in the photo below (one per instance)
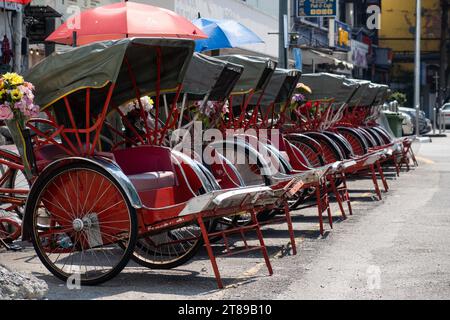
(158, 89)
(418, 63)
(88, 112)
(72, 122)
(102, 117)
(138, 96)
(172, 113)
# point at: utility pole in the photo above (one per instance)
(17, 35)
(418, 64)
(437, 105)
(443, 53)
(283, 34)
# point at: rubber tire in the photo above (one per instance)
(31, 203)
(171, 265)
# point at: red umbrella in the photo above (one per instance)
(125, 20)
(24, 2)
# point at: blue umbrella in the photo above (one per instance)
(224, 34)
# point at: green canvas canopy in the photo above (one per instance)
(360, 94)
(100, 64)
(382, 95)
(327, 86)
(280, 88)
(209, 76)
(371, 95)
(256, 75)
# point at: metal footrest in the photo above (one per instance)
(241, 230)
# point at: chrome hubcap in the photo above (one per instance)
(78, 225)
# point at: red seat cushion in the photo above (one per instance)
(49, 152)
(152, 180)
(144, 159)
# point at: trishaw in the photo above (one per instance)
(104, 188)
(321, 119)
(256, 140)
(246, 158)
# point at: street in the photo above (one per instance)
(393, 249)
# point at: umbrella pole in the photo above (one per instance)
(74, 39)
(166, 107)
(5, 15)
(183, 105)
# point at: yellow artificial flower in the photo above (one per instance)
(303, 88)
(16, 94)
(2, 94)
(13, 79)
(2, 84)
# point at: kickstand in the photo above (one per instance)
(10, 247)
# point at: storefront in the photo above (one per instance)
(358, 55)
(11, 37)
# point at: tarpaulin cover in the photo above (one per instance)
(207, 75)
(280, 88)
(370, 95)
(327, 86)
(99, 64)
(382, 96)
(359, 96)
(256, 75)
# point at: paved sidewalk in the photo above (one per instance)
(396, 248)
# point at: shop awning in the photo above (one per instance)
(314, 57)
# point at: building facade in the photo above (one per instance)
(12, 28)
(398, 32)
(44, 16)
(261, 16)
(344, 43)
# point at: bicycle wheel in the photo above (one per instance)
(81, 221)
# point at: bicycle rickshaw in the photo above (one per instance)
(322, 128)
(94, 204)
(259, 87)
(233, 148)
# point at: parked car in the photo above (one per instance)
(445, 110)
(407, 125)
(424, 125)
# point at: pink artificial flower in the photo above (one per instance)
(5, 112)
(208, 109)
(28, 85)
(226, 108)
(22, 105)
(34, 111)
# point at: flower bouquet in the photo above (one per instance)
(16, 108)
(132, 111)
(211, 112)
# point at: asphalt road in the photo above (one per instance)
(394, 249)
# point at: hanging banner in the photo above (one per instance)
(342, 36)
(359, 54)
(316, 8)
(298, 58)
(13, 6)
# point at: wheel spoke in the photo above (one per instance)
(75, 239)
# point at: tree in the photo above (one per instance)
(399, 97)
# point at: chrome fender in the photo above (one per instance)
(105, 164)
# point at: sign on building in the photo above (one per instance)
(359, 54)
(342, 36)
(13, 6)
(316, 8)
